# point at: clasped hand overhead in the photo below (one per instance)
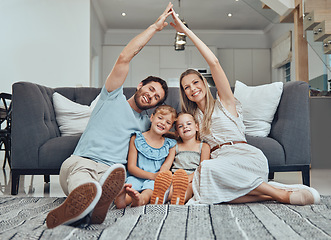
(177, 24)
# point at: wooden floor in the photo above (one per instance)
(33, 185)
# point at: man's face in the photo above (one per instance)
(149, 95)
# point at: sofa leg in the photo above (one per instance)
(46, 178)
(271, 175)
(306, 175)
(15, 181)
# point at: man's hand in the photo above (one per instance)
(160, 23)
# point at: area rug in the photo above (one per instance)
(24, 218)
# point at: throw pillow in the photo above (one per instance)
(259, 105)
(71, 117)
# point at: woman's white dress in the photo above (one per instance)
(233, 170)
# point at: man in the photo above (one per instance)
(94, 175)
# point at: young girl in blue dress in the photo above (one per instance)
(149, 154)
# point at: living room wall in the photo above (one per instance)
(46, 42)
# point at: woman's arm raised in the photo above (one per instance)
(219, 77)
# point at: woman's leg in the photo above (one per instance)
(265, 192)
(189, 192)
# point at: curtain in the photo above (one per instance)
(281, 50)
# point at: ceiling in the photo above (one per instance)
(199, 14)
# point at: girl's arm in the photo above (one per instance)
(132, 163)
(169, 160)
(219, 77)
(205, 152)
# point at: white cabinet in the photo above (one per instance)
(250, 66)
(261, 63)
(173, 63)
(162, 61)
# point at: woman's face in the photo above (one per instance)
(194, 88)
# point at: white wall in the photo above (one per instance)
(97, 37)
(45, 41)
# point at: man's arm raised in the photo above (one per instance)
(120, 70)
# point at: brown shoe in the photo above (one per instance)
(180, 183)
(161, 188)
(112, 183)
(79, 203)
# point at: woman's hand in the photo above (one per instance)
(160, 23)
(178, 24)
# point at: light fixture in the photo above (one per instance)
(123, 14)
(180, 38)
(229, 14)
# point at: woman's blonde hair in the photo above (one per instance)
(166, 109)
(191, 107)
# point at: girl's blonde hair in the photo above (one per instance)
(191, 107)
(166, 109)
(197, 136)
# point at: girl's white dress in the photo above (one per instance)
(233, 170)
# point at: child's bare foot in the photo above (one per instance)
(137, 199)
(120, 199)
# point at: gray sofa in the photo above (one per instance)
(39, 149)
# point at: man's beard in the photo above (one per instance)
(137, 96)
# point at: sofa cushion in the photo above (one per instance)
(71, 117)
(259, 105)
(56, 150)
(272, 149)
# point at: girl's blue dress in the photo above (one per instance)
(149, 159)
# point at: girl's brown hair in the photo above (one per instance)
(165, 109)
(191, 107)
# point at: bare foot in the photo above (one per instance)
(120, 199)
(137, 199)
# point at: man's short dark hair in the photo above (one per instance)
(163, 84)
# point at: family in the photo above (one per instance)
(129, 158)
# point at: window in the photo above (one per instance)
(287, 72)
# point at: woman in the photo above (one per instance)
(237, 172)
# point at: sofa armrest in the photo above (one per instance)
(33, 123)
(291, 124)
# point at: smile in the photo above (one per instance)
(146, 99)
(160, 127)
(196, 93)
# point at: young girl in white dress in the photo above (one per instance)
(150, 153)
(237, 172)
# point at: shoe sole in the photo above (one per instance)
(112, 183)
(180, 183)
(313, 191)
(161, 185)
(79, 203)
